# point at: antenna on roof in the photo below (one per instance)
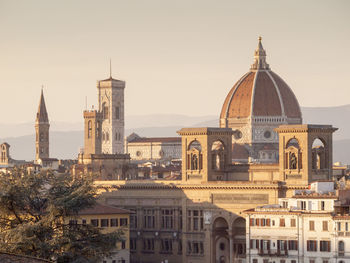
(110, 68)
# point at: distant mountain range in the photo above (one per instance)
(67, 138)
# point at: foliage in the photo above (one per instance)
(35, 210)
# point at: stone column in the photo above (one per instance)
(231, 246)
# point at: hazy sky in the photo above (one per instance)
(176, 56)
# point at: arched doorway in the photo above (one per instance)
(221, 246)
(238, 238)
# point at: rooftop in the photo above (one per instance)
(99, 209)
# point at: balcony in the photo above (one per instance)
(273, 252)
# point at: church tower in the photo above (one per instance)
(111, 107)
(42, 126)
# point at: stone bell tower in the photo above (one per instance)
(301, 160)
(111, 107)
(206, 154)
(42, 127)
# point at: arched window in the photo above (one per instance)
(194, 156)
(195, 145)
(293, 155)
(117, 136)
(218, 155)
(117, 113)
(89, 129)
(107, 136)
(318, 155)
(98, 128)
(41, 138)
(103, 136)
(341, 246)
(105, 111)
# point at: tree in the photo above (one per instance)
(35, 210)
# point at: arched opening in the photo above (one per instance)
(293, 142)
(117, 113)
(217, 155)
(3, 153)
(89, 129)
(98, 129)
(103, 136)
(293, 155)
(107, 136)
(194, 156)
(341, 248)
(221, 239)
(195, 145)
(318, 155)
(239, 241)
(41, 136)
(105, 111)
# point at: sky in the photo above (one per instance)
(177, 57)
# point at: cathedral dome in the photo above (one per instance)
(260, 93)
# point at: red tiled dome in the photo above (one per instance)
(260, 92)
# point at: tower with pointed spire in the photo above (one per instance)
(42, 127)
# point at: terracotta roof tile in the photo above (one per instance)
(266, 100)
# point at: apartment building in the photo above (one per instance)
(303, 228)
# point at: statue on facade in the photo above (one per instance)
(292, 161)
(194, 162)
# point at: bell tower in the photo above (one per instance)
(111, 107)
(42, 127)
(305, 153)
(206, 154)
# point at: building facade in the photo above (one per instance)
(104, 128)
(303, 228)
(103, 154)
(161, 148)
(109, 219)
(200, 218)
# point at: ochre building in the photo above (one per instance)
(199, 218)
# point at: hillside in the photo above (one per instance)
(67, 138)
